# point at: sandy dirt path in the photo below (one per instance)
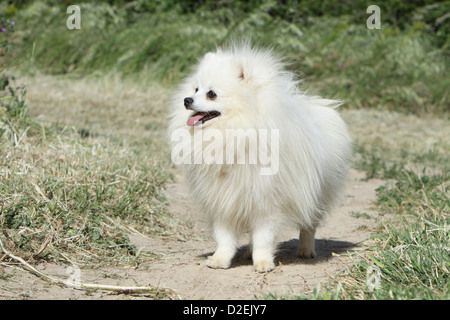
(184, 270)
(180, 264)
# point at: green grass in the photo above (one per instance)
(392, 68)
(75, 192)
(412, 248)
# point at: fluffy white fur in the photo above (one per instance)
(255, 91)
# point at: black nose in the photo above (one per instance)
(188, 102)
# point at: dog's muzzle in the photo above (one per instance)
(188, 103)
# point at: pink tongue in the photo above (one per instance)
(192, 120)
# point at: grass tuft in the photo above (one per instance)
(75, 192)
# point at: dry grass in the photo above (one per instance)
(385, 142)
(398, 131)
(91, 176)
(105, 105)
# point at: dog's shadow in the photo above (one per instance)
(287, 252)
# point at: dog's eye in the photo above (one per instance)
(196, 89)
(211, 95)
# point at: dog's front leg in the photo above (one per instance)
(263, 241)
(226, 248)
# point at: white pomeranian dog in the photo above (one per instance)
(258, 154)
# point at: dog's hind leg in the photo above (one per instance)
(306, 247)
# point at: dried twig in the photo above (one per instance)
(90, 286)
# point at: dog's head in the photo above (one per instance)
(214, 89)
(226, 84)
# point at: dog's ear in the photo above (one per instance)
(242, 74)
(243, 71)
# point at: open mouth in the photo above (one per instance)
(201, 117)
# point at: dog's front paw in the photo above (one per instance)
(264, 265)
(218, 262)
(306, 253)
